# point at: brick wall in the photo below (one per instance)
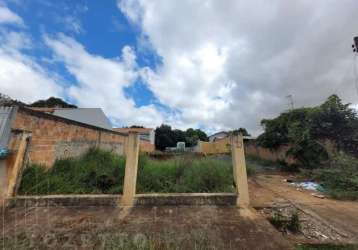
(146, 146)
(55, 137)
(219, 146)
(252, 149)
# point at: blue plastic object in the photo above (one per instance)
(3, 153)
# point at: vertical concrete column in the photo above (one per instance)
(130, 176)
(17, 169)
(239, 169)
(3, 180)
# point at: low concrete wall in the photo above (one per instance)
(64, 200)
(185, 199)
(192, 199)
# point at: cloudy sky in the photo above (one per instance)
(192, 63)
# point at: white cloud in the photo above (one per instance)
(20, 76)
(228, 64)
(14, 41)
(101, 81)
(24, 81)
(9, 17)
(72, 24)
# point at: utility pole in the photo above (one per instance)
(355, 44)
(290, 101)
(355, 50)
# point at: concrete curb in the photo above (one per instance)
(195, 199)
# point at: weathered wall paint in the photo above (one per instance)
(55, 137)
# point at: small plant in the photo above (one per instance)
(286, 223)
(278, 220)
(294, 223)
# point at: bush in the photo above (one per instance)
(294, 223)
(339, 178)
(285, 223)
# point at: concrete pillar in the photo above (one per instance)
(130, 176)
(17, 169)
(3, 180)
(239, 170)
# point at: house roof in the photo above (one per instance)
(47, 110)
(139, 130)
(91, 116)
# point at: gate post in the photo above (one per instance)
(239, 170)
(130, 176)
(14, 177)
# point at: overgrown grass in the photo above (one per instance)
(340, 178)
(260, 164)
(101, 172)
(186, 174)
(97, 171)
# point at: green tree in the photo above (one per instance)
(242, 131)
(337, 122)
(52, 102)
(192, 136)
(164, 137)
(305, 128)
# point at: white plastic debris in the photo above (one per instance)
(309, 185)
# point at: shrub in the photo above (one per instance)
(284, 223)
(340, 178)
(294, 223)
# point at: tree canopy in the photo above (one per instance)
(52, 102)
(165, 136)
(241, 131)
(305, 128)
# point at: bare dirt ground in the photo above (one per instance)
(323, 220)
(164, 227)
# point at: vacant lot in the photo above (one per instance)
(103, 172)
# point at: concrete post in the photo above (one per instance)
(130, 176)
(239, 170)
(17, 169)
(3, 181)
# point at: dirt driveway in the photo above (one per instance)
(269, 190)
